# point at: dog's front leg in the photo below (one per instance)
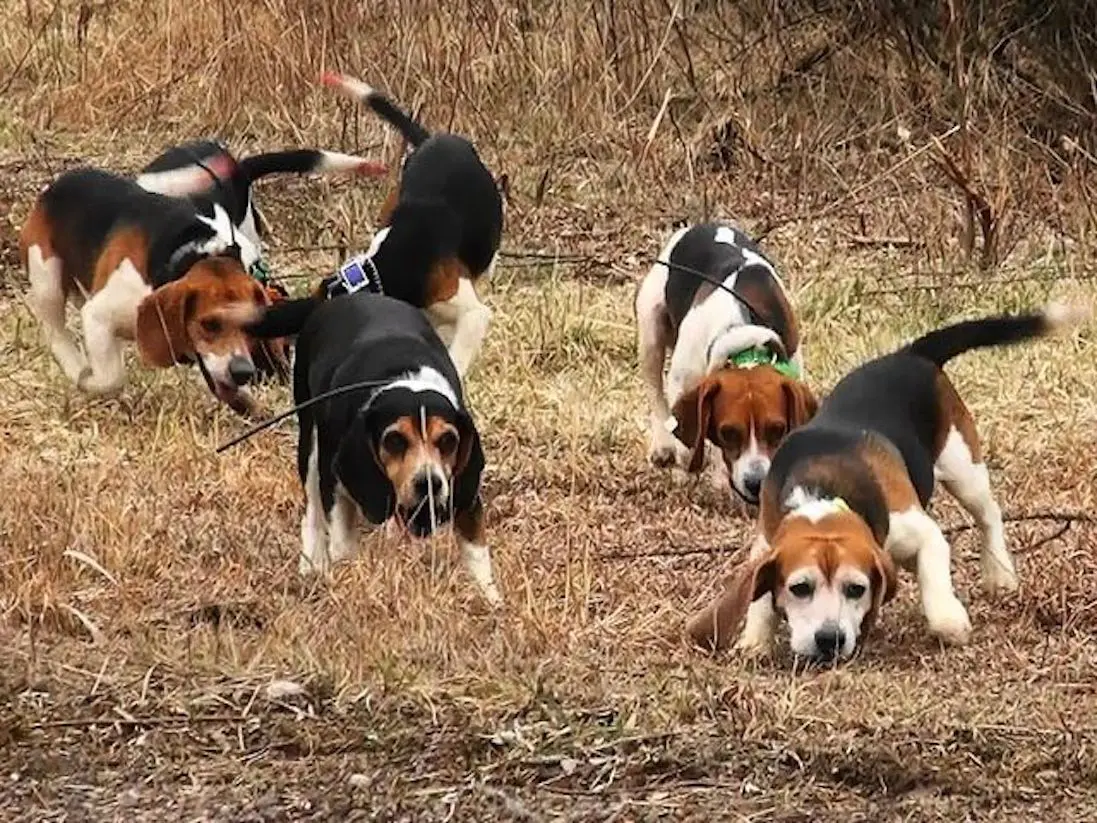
(469, 529)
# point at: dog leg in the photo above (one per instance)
(969, 483)
(469, 529)
(342, 527)
(108, 316)
(760, 626)
(915, 538)
(470, 320)
(46, 299)
(315, 558)
(664, 450)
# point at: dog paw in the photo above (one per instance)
(998, 578)
(949, 621)
(309, 566)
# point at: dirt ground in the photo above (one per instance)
(160, 659)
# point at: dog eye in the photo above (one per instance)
(801, 590)
(729, 436)
(774, 432)
(446, 443)
(394, 443)
(854, 591)
(211, 325)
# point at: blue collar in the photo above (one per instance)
(357, 274)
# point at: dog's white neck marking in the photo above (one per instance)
(425, 379)
(800, 503)
(226, 235)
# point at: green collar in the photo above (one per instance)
(749, 358)
(260, 271)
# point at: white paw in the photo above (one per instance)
(997, 577)
(308, 566)
(665, 452)
(491, 594)
(949, 621)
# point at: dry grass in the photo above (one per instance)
(148, 587)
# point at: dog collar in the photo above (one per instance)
(749, 358)
(357, 274)
(260, 270)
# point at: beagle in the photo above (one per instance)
(441, 229)
(846, 497)
(736, 364)
(401, 445)
(234, 195)
(168, 272)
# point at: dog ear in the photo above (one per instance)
(885, 582)
(161, 330)
(713, 627)
(800, 403)
(357, 466)
(693, 410)
(469, 464)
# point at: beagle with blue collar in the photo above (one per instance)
(735, 368)
(845, 500)
(399, 443)
(165, 271)
(440, 228)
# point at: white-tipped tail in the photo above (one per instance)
(347, 85)
(1062, 315)
(332, 162)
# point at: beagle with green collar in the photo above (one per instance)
(845, 500)
(736, 364)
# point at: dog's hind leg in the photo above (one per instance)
(314, 522)
(969, 482)
(470, 320)
(46, 299)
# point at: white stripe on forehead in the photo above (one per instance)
(425, 379)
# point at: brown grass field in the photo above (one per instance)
(161, 658)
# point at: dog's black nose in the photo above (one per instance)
(753, 486)
(241, 370)
(829, 641)
(428, 484)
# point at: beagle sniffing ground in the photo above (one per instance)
(736, 364)
(401, 445)
(441, 227)
(167, 272)
(233, 194)
(845, 500)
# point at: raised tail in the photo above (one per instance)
(305, 161)
(942, 345)
(285, 318)
(381, 105)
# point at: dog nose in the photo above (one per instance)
(829, 640)
(429, 484)
(241, 370)
(752, 485)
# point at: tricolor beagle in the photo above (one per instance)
(234, 195)
(402, 446)
(168, 272)
(734, 374)
(845, 498)
(441, 227)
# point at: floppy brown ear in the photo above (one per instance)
(800, 403)
(693, 411)
(713, 627)
(161, 331)
(885, 582)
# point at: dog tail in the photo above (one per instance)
(381, 105)
(305, 161)
(942, 345)
(285, 318)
